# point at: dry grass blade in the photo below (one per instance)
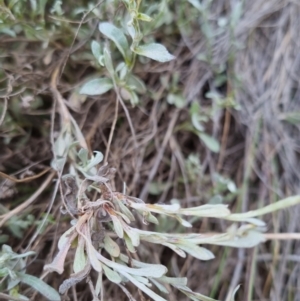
(13, 179)
(28, 202)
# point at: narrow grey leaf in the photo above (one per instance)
(80, 257)
(144, 288)
(196, 251)
(46, 290)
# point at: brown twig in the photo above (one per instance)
(28, 202)
(4, 111)
(224, 139)
(160, 154)
(13, 179)
(112, 131)
(7, 297)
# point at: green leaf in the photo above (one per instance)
(92, 254)
(137, 84)
(207, 210)
(247, 240)
(149, 270)
(196, 122)
(194, 296)
(126, 211)
(196, 251)
(143, 288)
(96, 86)
(151, 218)
(83, 156)
(39, 285)
(116, 35)
(94, 160)
(282, 204)
(11, 283)
(134, 100)
(143, 280)
(176, 99)
(128, 94)
(159, 286)
(111, 275)
(144, 17)
(117, 226)
(133, 235)
(156, 188)
(96, 49)
(80, 257)
(176, 249)
(98, 284)
(155, 52)
(184, 222)
(4, 271)
(291, 117)
(8, 31)
(210, 142)
(3, 238)
(124, 217)
(111, 246)
(174, 280)
(108, 62)
(122, 70)
(197, 4)
(129, 244)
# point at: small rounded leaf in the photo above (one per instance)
(144, 17)
(96, 49)
(210, 142)
(155, 52)
(116, 35)
(113, 276)
(111, 246)
(96, 86)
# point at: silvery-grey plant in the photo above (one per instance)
(116, 211)
(13, 272)
(93, 221)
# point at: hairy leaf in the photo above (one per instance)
(143, 287)
(116, 35)
(96, 86)
(46, 290)
(111, 275)
(155, 52)
(111, 246)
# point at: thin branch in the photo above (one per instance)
(111, 134)
(7, 297)
(160, 154)
(13, 179)
(28, 202)
(4, 111)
